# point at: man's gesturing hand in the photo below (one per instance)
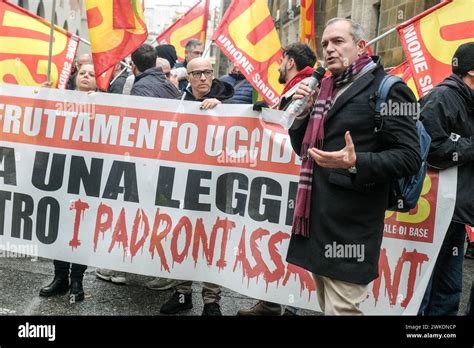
(344, 158)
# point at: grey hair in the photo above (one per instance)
(357, 31)
(191, 44)
(162, 62)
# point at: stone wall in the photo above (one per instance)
(376, 16)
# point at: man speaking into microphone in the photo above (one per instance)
(346, 170)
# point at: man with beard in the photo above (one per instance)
(296, 67)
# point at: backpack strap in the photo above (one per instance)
(385, 86)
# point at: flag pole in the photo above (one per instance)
(206, 51)
(51, 33)
(88, 43)
(380, 37)
(411, 20)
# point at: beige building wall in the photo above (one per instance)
(68, 14)
(392, 13)
(367, 12)
(376, 16)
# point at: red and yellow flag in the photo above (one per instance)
(404, 71)
(247, 35)
(307, 23)
(431, 38)
(193, 25)
(116, 29)
(24, 49)
(103, 80)
(470, 233)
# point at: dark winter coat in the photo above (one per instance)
(117, 85)
(153, 83)
(448, 116)
(222, 91)
(348, 209)
(244, 91)
(71, 83)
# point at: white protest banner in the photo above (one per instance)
(410, 247)
(159, 187)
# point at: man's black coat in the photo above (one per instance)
(347, 210)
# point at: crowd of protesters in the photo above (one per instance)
(346, 167)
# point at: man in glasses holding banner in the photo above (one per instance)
(203, 87)
(346, 170)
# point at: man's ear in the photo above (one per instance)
(292, 63)
(361, 46)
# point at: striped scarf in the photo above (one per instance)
(314, 137)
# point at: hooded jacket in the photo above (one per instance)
(152, 83)
(448, 115)
(222, 91)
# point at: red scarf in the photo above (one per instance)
(301, 75)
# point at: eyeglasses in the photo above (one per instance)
(198, 73)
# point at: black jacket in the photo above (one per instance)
(219, 90)
(349, 209)
(117, 85)
(71, 83)
(153, 83)
(448, 116)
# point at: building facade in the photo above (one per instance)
(68, 14)
(376, 16)
(160, 15)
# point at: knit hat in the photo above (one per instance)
(463, 59)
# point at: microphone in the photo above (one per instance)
(296, 107)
